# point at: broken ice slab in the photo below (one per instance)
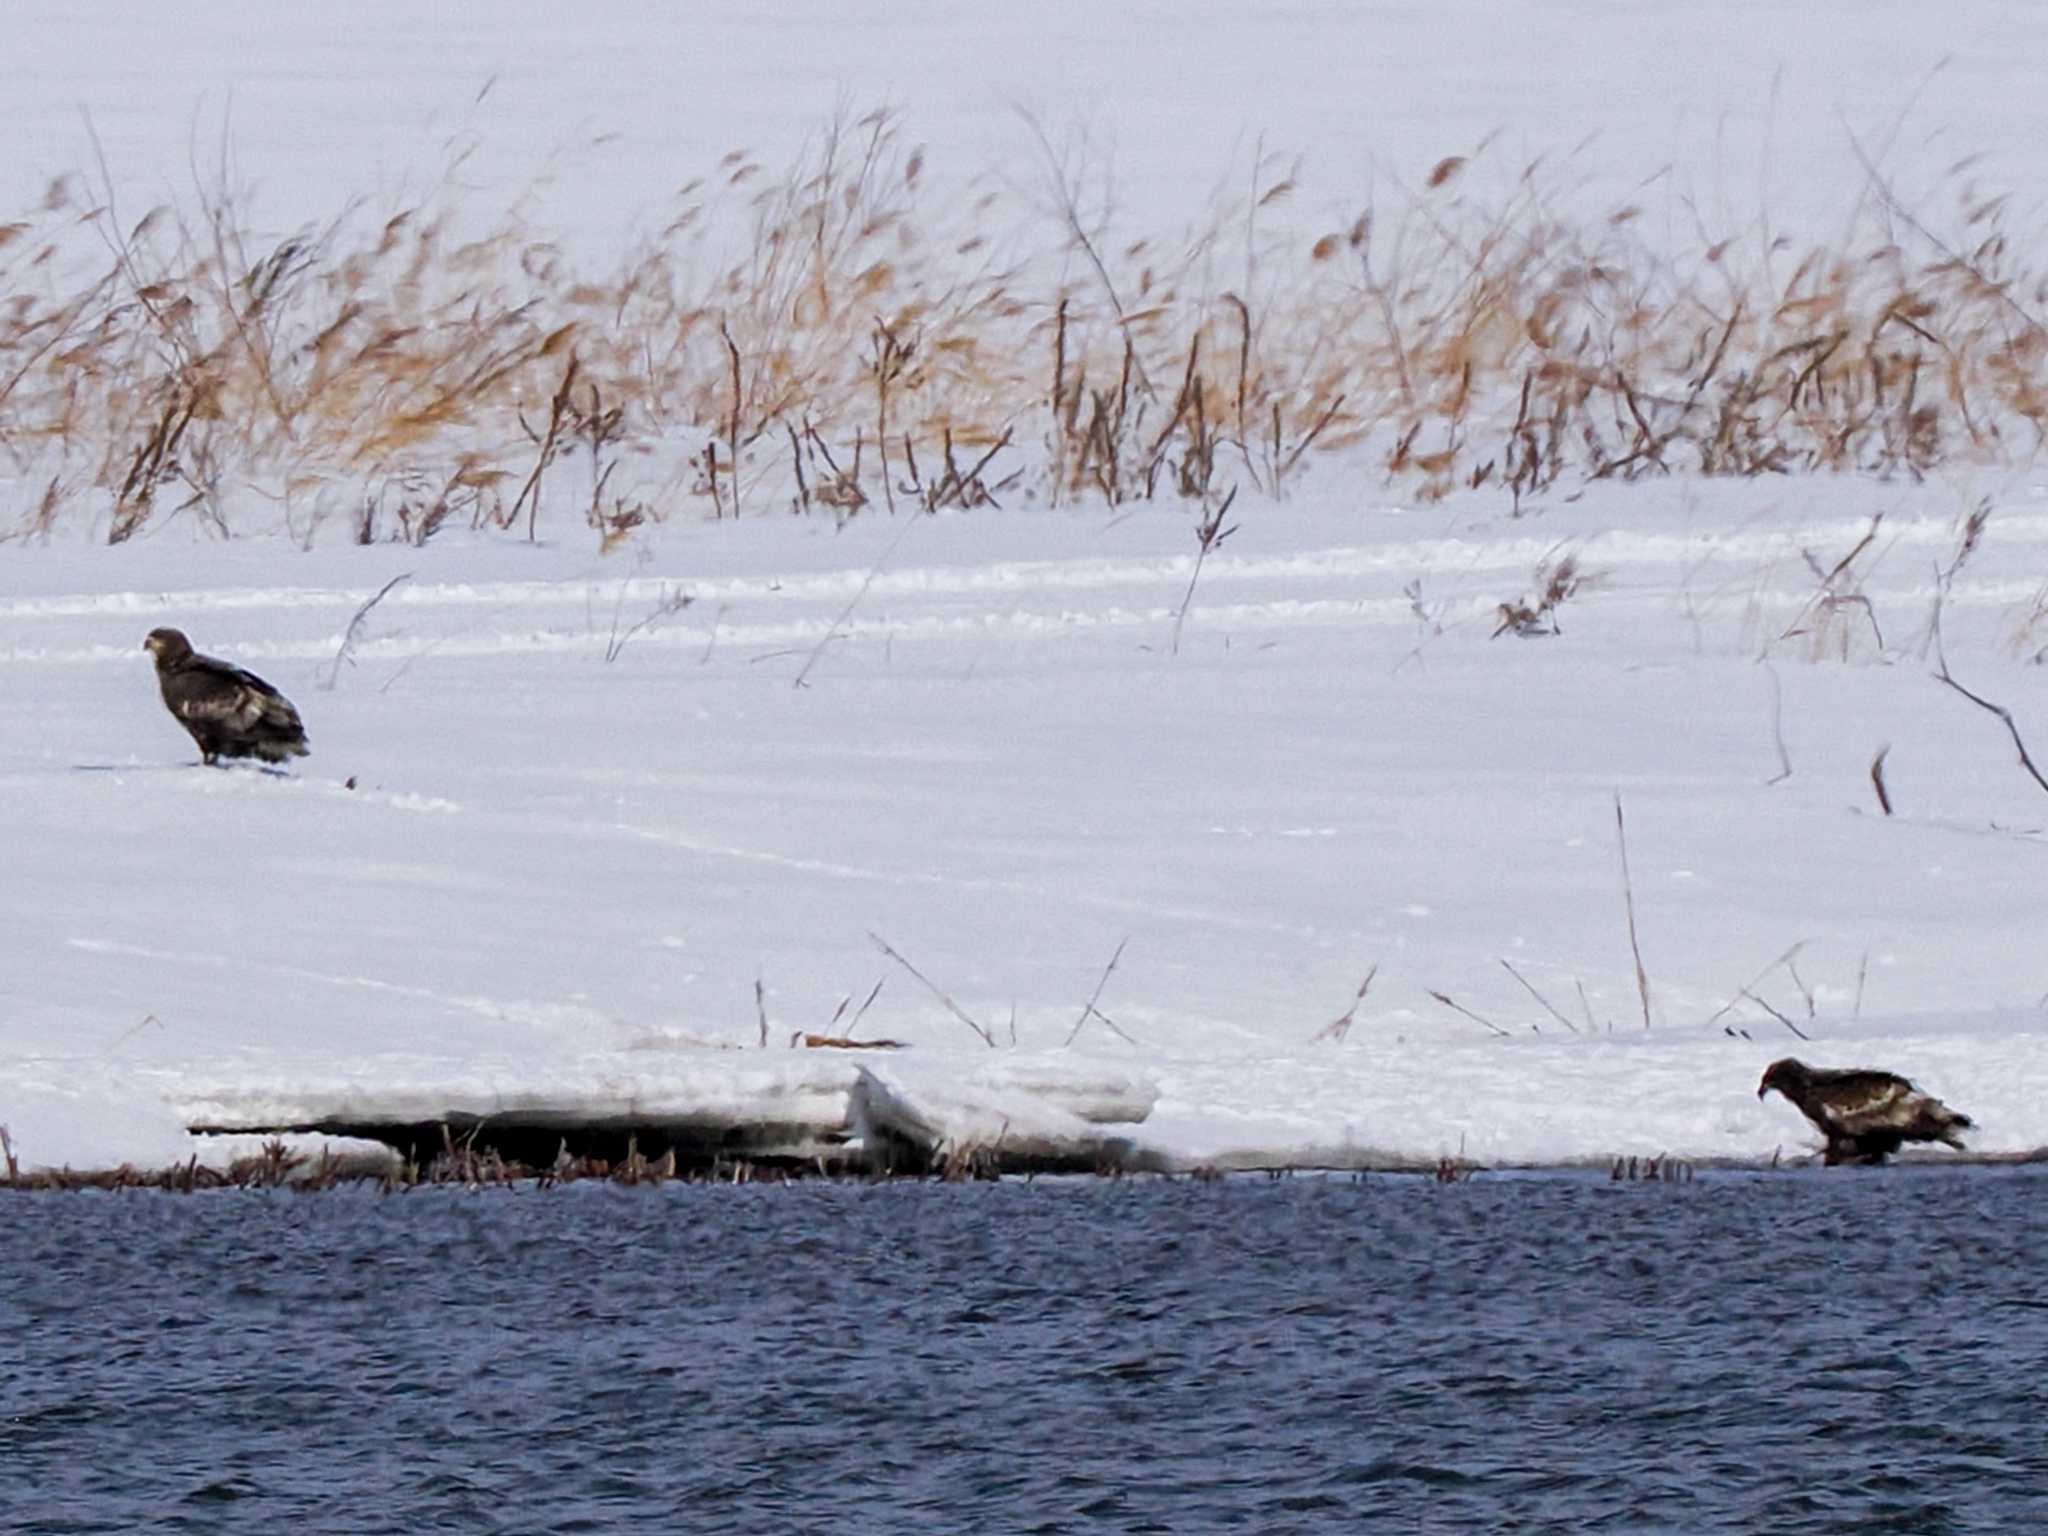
(814, 1108)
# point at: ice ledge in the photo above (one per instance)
(821, 1107)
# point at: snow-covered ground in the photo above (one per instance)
(515, 871)
(553, 834)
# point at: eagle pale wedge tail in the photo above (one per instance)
(1865, 1115)
(228, 712)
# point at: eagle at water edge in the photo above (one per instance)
(1865, 1115)
(228, 712)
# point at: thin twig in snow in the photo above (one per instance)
(1778, 728)
(1461, 1008)
(1884, 799)
(1529, 987)
(1096, 996)
(137, 1028)
(1096, 1012)
(671, 602)
(1586, 1006)
(954, 1008)
(1805, 992)
(1211, 532)
(2026, 761)
(711, 641)
(1743, 990)
(861, 1012)
(355, 624)
(1767, 1008)
(854, 602)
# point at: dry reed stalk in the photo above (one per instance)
(891, 357)
(811, 1042)
(1628, 896)
(1340, 1026)
(732, 432)
(558, 410)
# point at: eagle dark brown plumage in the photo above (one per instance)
(229, 712)
(1865, 1115)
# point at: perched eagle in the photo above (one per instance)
(1865, 1115)
(229, 712)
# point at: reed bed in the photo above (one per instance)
(835, 339)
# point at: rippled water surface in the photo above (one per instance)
(1812, 1352)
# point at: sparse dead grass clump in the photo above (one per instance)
(838, 336)
(1558, 580)
(1840, 612)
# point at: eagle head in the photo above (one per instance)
(1783, 1076)
(167, 646)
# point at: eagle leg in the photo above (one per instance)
(1859, 1151)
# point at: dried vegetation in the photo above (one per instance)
(838, 339)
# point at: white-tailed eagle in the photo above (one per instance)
(229, 712)
(1865, 1115)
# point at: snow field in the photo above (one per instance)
(515, 872)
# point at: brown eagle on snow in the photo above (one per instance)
(229, 712)
(1865, 1115)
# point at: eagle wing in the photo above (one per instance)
(1868, 1102)
(228, 696)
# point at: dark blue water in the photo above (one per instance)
(1858, 1350)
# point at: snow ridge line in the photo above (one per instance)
(1014, 623)
(1612, 549)
(1286, 613)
